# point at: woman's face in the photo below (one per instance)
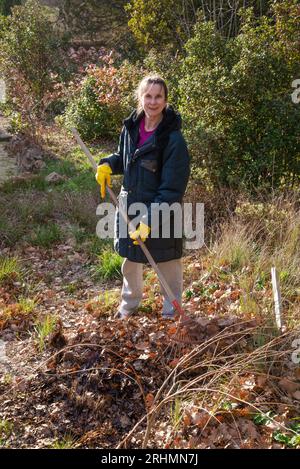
(154, 100)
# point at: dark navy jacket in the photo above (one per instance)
(156, 172)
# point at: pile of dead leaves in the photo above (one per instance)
(99, 382)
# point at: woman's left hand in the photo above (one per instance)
(141, 232)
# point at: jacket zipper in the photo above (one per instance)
(144, 149)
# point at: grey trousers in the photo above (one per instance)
(132, 290)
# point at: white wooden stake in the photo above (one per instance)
(277, 298)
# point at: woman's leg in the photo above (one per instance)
(132, 289)
(173, 273)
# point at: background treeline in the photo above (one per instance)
(230, 66)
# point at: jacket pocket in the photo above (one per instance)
(148, 178)
(151, 165)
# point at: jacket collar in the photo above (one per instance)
(171, 121)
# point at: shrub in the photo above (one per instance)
(235, 97)
(167, 64)
(170, 22)
(152, 23)
(102, 98)
(86, 114)
(32, 60)
(6, 6)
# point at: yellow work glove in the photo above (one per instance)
(103, 177)
(142, 232)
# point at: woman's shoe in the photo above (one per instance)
(168, 314)
(124, 314)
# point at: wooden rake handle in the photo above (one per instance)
(145, 250)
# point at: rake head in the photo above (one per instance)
(186, 331)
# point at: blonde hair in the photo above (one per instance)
(144, 84)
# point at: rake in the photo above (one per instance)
(187, 327)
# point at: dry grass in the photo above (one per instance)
(235, 376)
(256, 238)
(213, 381)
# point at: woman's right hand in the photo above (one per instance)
(103, 177)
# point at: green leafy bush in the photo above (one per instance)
(155, 23)
(102, 98)
(170, 22)
(6, 6)
(235, 97)
(167, 64)
(86, 113)
(32, 61)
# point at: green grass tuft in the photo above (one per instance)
(109, 265)
(10, 269)
(43, 329)
(46, 235)
(67, 442)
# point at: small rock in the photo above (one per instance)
(288, 385)
(45, 431)
(125, 422)
(138, 365)
(4, 136)
(39, 164)
(64, 391)
(296, 395)
(54, 177)
(94, 336)
(225, 322)
(69, 356)
(212, 329)
(203, 322)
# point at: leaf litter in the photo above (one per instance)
(108, 383)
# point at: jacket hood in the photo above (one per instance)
(171, 121)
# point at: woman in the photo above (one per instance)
(154, 160)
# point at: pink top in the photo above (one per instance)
(144, 134)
